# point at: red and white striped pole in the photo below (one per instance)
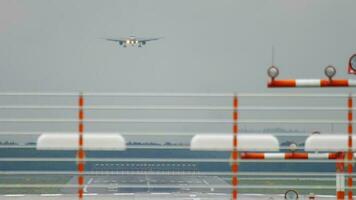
(350, 148)
(80, 153)
(330, 71)
(235, 154)
(289, 156)
(312, 83)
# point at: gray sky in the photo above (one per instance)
(208, 46)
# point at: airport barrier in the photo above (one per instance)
(232, 137)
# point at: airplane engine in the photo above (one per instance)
(121, 43)
(143, 42)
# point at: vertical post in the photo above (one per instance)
(235, 154)
(340, 176)
(80, 153)
(350, 148)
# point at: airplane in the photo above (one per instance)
(132, 41)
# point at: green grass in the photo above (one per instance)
(32, 179)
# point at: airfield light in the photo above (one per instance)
(273, 72)
(330, 71)
(291, 195)
(352, 64)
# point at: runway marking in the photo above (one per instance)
(14, 195)
(218, 194)
(88, 183)
(90, 194)
(50, 195)
(161, 193)
(123, 194)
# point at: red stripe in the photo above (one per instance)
(81, 127)
(234, 194)
(282, 83)
(334, 83)
(80, 193)
(340, 195)
(350, 195)
(296, 156)
(234, 169)
(81, 114)
(81, 101)
(80, 167)
(235, 155)
(235, 128)
(234, 181)
(332, 156)
(81, 140)
(259, 156)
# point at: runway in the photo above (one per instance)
(148, 184)
(113, 189)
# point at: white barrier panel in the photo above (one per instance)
(329, 143)
(92, 142)
(246, 142)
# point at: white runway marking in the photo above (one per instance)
(88, 183)
(50, 195)
(123, 194)
(14, 195)
(90, 194)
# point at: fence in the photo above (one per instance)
(226, 144)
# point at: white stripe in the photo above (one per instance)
(342, 181)
(337, 182)
(307, 83)
(274, 156)
(318, 156)
(352, 83)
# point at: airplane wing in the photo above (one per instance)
(115, 40)
(148, 39)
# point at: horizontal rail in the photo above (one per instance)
(173, 107)
(168, 160)
(143, 146)
(192, 173)
(155, 133)
(218, 186)
(168, 121)
(96, 94)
